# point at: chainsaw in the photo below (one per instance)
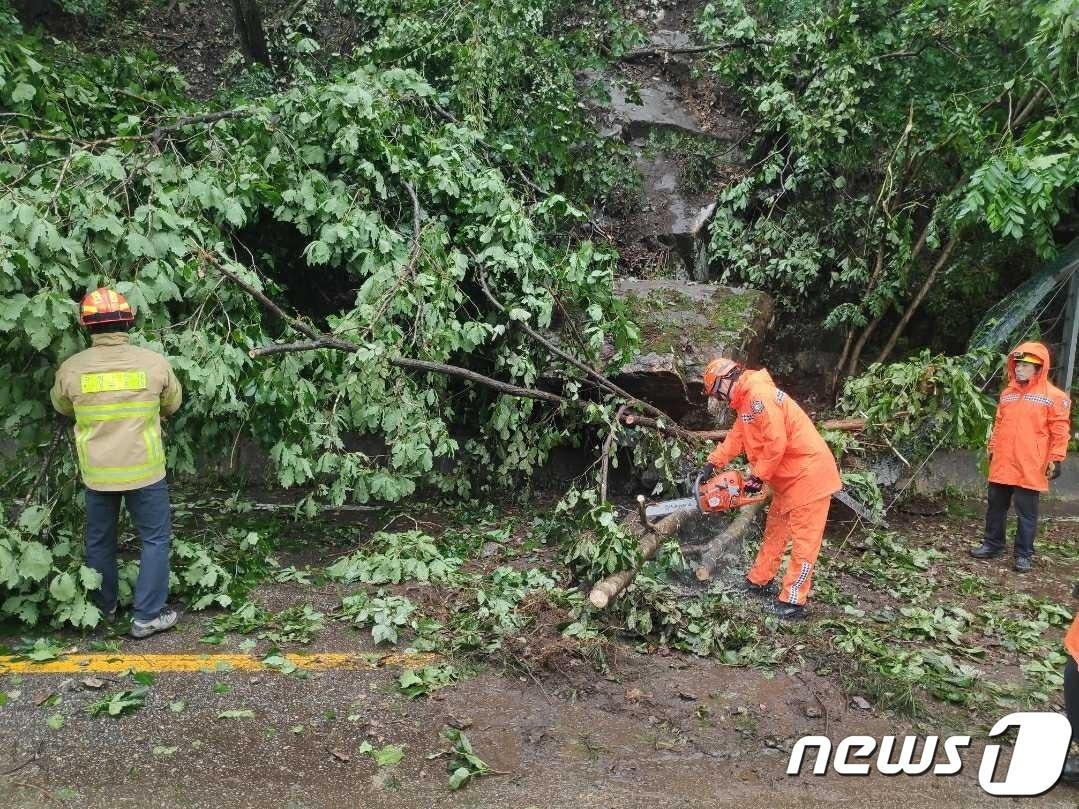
(719, 493)
(726, 491)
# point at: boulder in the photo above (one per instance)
(684, 325)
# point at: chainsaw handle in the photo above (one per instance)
(697, 491)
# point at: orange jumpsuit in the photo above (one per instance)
(1031, 427)
(1071, 640)
(786, 452)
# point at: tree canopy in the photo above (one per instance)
(903, 152)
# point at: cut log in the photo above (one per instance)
(718, 546)
(654, 536)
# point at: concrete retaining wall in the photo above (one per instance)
(958, 471)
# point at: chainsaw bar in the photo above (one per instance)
(669, 507)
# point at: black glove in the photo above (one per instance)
(707, 472)
(1054, 469)
(752, 485)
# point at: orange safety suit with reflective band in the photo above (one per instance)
(1031, 428)
(786, 452)
(117, 393)
(1071, 640)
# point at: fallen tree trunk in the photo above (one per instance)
(655, 535)
(718, 546)
(631, 420)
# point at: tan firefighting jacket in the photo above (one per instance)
(117, 393)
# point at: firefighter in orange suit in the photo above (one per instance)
(1028, 444)
(786, 452)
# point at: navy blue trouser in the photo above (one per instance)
(149, 510)
(996, 517)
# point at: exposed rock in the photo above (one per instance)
(656, 104)
(670, 218)
(683, 326)
(670, 215)
(680, 64)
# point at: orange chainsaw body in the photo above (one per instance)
(724, 492)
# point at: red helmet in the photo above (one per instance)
(105, 306)
(716, 372)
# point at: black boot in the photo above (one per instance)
(787, 612)
(765, 590)
(1022, 564)
(1070, 773)
(984, 551)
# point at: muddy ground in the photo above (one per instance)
(656, 727)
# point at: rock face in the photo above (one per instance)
(647, 107)
(658, 105)
(684, 325)
(672, 216)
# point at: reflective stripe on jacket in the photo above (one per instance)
(1031, 426)
(783, 447)
(117, 393)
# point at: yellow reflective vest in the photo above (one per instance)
(117, 393)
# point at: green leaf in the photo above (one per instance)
(90, 578)
(39, 650)
(35, 561)
(56, 721)
(234, 213)
(279, 663)
(384, 757)
(23, 92)
(237, 714)
(118, 704)
(459, 777)
(62, 587)
(389, 755)
(32, 520)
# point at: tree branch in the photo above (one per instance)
(644, 53)
(50, 453)
(631, 420)
(155, 135)
(207, 118)
(597, 377)
(918, 298)
(606, 454)
(319, 340)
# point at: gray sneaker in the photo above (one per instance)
(166, 619)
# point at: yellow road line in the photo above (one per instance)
(107, 663)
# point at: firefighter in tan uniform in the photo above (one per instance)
(118, 394)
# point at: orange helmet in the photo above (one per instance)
(716, 372)
(1022, 356)
(105, 306)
